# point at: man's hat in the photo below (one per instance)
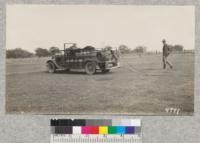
(163, 40)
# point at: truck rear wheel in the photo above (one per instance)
(51, 68)
(90, 68)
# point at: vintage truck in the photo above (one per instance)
(87, 58)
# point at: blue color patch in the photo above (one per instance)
(130, 130)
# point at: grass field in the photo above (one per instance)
(139, 87)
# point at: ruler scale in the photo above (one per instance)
(95, 131)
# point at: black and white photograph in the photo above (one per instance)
(100, 59)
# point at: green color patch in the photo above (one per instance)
(112, 130)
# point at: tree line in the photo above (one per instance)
(143, 49)
(39, 52)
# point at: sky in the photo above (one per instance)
(33, 26)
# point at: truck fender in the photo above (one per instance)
(52, 61)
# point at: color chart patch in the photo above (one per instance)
(95, 130)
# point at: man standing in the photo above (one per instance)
(166, 52)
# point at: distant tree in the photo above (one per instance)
(140, 49)
(40, 52)
(54, 50)
(18, 53)
(177, 48)
(124, 49)
(107, 48)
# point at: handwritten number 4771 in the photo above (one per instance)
(173, 110)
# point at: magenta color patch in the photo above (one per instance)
(85, 130)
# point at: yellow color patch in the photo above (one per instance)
(103, 130)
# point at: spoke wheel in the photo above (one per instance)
(51, 67)
(90, 68)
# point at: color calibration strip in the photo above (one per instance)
(95, 130)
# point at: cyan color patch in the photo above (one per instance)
(121, 130)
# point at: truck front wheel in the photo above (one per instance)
(51, 68)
